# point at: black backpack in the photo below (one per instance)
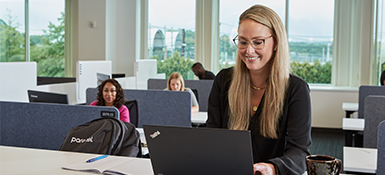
(106, 135)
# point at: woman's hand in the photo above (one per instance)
(264, 169)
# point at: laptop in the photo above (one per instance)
(191, 151)
(46, 97)
(101, 77)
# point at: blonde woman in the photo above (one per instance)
(176, 83)
(259, 94)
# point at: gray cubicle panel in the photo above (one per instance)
(374, 115)
(381, 149)
(365, 91)
(43, 125)
(202, 86)
(156, 107)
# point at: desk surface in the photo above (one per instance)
(350, 106)
(198, 117)
(353, 124)
(15, 160)
(363, 160)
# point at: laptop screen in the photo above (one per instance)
(185, 150)
(47, 97)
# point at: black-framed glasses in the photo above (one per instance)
(257, 44)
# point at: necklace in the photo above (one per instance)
(256, 88)
(255, 108)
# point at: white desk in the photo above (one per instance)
(353, 124)
(363, 160)
(349, 108)
(16, 160)
(198, 117)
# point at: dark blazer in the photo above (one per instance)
(288, 152)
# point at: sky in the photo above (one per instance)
(39, 17)
(309, 19)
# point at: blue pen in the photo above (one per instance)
(96, 158)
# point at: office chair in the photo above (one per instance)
(196, 94)
(132, 106)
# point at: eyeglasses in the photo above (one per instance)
(257, 44)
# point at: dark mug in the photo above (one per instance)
(322, 164)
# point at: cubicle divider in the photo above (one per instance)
(43, 125)
(381, 149)
(202, 86)
(365, 91)
(156, 107)
(374, 115)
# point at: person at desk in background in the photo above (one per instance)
(382, 79)
(110, 93)
(200, 72)
(176, 83)
(259, 94)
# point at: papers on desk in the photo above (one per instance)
(110, 165)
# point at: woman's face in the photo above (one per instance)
(109, 94)
(175, 85)
(252, 32)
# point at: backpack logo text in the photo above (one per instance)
(79, 140)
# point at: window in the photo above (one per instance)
(228, 27)
(12, 45)
(171, 35)
(380, 37)
(46, 30)
(46, 33)
(310, 36)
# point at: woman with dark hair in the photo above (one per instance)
(260, 95)
(112, 94)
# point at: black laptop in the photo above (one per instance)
(192, 151)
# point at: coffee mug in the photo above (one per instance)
(322, 164)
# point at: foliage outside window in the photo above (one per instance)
(311, 39)
(12, 47)
(48, 50)
(171, 36)
(46, 45)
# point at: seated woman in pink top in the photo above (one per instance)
(112, 94)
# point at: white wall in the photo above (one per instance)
(121, 35)
(113, 38)
(15, 79)
(89, 43)
(326, 104)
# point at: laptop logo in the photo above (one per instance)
(155, 134)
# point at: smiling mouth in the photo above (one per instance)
(252, 58)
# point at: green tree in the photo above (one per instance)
(12, 41)
(190, 43)
(174, 64)
(312, 73)
(48, 50)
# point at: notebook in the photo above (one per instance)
(191, 151)
(119, 165)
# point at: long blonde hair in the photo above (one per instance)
(177, 76)
(276, 83)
